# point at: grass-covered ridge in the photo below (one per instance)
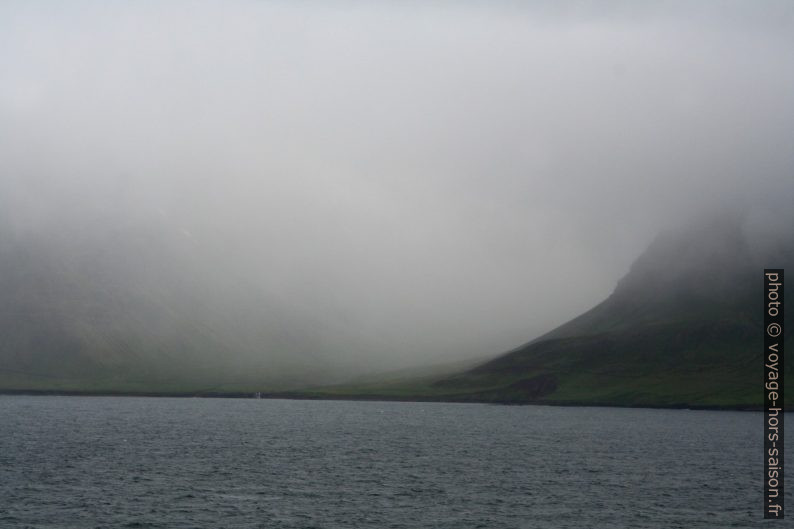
(684, 328)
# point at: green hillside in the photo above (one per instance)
(682, 328)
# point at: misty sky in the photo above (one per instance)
(447, 178)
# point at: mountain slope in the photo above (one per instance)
(134, 308)
(682, 328)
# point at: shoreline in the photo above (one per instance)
(373, 398)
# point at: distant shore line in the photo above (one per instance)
(367, 398)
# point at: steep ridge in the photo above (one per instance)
(682, 328)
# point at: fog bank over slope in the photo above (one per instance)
(374, 186)
(682, 329)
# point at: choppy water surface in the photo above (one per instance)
(152, 462)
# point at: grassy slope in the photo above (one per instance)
(683, 328)
(674, 365)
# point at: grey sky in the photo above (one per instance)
(437, 178)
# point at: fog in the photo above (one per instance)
(419, 181)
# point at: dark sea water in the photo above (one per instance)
(154, 462)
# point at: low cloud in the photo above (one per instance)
(428, 181)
